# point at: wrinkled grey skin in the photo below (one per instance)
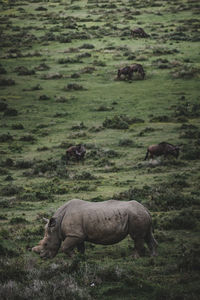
(104, 223)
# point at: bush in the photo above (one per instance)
(6, 82)
(18, 220)
(44, 97)
(120, 122)
(27, 138)
(185, 72)
(189, 258)
(12, 112)
(18, 126)
(73, 87)
(87, 46)
(158, 197)
(3, 105)
(185, 219)
(10, 190)
(126, 143)
(85, 176)
(6, 138)
(22, 164)
(23, 71)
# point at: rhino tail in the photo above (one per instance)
(151, 243)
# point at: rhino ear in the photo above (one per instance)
(52, 222)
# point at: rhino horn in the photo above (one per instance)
(45, 220)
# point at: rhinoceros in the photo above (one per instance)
(105, 223)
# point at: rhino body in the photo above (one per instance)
(104, 223)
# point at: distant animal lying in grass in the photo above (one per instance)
(139, 32)
(76, 152)
(162, 149)
(104, 223)
(129, 70)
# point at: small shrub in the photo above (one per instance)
(104, 108)
(75, 75)
(44, 97)
(3, 105)
(18, 220)
(81, 126)
(189, 258)
(85, 176)
(185, 72)
(10, 112)
(2, 70)
(6, 82)
(23, 71)
(163, 118)
(7, 163)
(10, 190)
(22, 164)
(73, 87)
(18, 126)
(120, 122)
(185, 219)
(87, 46)
(126, 143)
(190, 152)
(146, 130)
(42, 67)
(6, 138)
(27, 138)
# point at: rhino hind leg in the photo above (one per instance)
(70, 243)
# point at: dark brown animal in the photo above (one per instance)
(126, 71)
(162, 149)
(76, 152)
(137, 68)
(139, 32)
(129, 70)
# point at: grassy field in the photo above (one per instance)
(59, 87)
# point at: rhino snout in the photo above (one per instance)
(47, 254)
(36, 249)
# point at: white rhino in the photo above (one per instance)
(103, 223)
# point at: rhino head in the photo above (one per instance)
(49, 245)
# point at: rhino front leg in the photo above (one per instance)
(70, 243)
(81, 248)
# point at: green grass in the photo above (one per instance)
(35, 180)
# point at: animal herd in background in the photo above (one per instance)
(127, 72)
(107, 222)
(77, 152)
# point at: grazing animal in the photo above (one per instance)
(76, 152)
(139, 32)
(126, 71)
(139, 69)
(129, 70)
(162, 149)
(104, 223)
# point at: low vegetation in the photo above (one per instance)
(58, 69)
